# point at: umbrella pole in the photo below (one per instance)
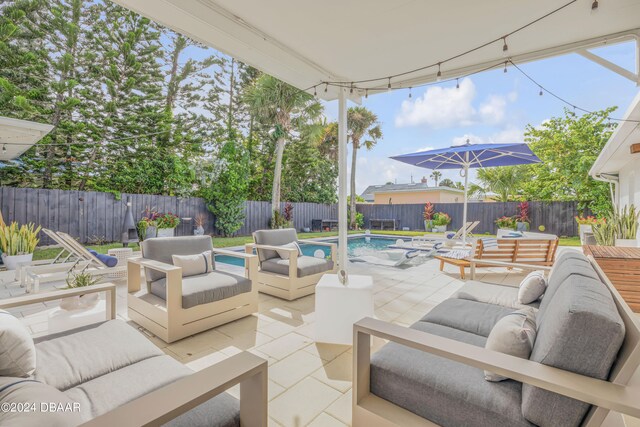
(464, 209)
(342, 186)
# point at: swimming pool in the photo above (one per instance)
(356, 246)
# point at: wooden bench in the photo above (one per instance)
(509, 253)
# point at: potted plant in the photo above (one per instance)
(167, 224)
(440, 222)
(200, 221)
(522, 217)
(80, 280)
(506, 223)
(17, 243)
(585, 224)
(427, 215)
(604, 232)
(626, 222)
(147, 226)
(288, 215)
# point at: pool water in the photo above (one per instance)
(356, 246)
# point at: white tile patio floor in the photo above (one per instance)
(309, 383)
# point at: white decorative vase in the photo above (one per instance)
(80, 302)
(627, 243)
(166, 232)
(198, 231)
(440, 228)
(12, 261)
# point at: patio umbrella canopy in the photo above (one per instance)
(470, 156)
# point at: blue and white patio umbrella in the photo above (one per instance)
(469, 156)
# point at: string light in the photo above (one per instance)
(315, 91)
(366, 93)
(351, 89)
(457, 84)
(594, 5)
(439, 75)
(4, 148)
(326, 87)
(389, 84)
(409, 91)
(541, 92)
(505, 47)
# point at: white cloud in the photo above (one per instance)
(443, 107)
(510, 134)
(427, 148)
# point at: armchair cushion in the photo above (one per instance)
(194, 264)
(443, 391)
(110, 391)
(70, 359)
(306, 266)
(205, 288)
(285, 254)
(468, 316)
(22, 391)
(163, 248)
(17, 351)
(273, 238)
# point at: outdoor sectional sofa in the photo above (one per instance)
(586, 350)
(109, 374)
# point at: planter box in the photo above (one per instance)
(440, 228)
(626, 243)
(584, 228)
(12, 261)
(166, 232)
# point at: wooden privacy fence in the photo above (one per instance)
(556, 217)
(89, 215)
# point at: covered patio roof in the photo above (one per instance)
(307, 42)
(17, 136)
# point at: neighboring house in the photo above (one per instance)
(619, 161)
(413, 193)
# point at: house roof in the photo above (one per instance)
(17, 136)
(368, 193)
(306, 43)
(615, 153)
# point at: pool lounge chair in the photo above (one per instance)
(428, 240)
(290, 278)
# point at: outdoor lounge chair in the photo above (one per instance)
(85, 261)
(109, 374)
(172, 306)
(428, 240)
(585, 353)
(288, 278)
(508, 252)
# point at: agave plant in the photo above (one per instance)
(627, 223)
(15, 240)
(81, 280)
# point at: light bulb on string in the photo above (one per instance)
(4, 148)
(366, 93)
(505, 46)
(351, 89)
(541, 92)
(326, 87)
(389, 84)
(315, 91)
(439, 75)
(505, 66)
(457, 83)
(594, 6)
(409, 91)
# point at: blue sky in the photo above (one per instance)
(488, 107)
(491, 106)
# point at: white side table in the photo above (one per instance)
(121, 254)
(338, 307)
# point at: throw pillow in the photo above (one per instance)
(532, 287)
(285, 254)
(17, 351)
(514, 334)
(194, 264)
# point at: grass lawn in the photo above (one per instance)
(224, 242)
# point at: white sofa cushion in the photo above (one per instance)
(17, 351)
(195, 264)
(532, 287)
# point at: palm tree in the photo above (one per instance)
(363, 130)
(435, 175)
(505, 182)
(274, 101)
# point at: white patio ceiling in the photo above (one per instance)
(306, 42)
(17, 136)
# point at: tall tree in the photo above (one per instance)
(436, 175)
(363, 129)
(568, 146)
(275, 101)
(505, 182)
